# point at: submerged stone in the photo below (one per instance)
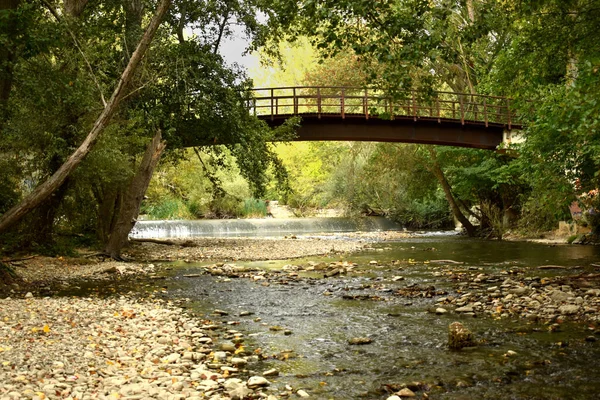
(360, 340)
(459, 336)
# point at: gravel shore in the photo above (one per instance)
(238, 249)
(119, 348)
(126, 348)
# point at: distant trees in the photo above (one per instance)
(542, 53)
(58, 64)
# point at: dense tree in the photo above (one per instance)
(542, 53)
(59, 71)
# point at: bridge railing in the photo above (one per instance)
(350, 102)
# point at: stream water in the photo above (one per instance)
(409, 344)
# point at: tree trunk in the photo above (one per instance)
(109, 201)
(41, 225)
(74, 8)
(130, 208)
(436, 170)
(44, 190)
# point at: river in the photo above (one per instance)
(302, 322)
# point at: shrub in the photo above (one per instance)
(254, 208)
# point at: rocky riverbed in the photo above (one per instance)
(120, 348)
(142, 347)
(130, 348)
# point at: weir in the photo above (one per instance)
(257, 227)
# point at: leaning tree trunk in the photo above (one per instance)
(436, 170)
(130, 208)
(44, 190)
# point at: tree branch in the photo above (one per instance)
(78, 46)
(43, 191)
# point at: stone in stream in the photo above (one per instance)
(271, 372)
(302, 393)
(440, 311)
(465, 309)
(360, 340)
(228, 346)
(406, 392)
(257, 381)
(459, 336)
(334, 272)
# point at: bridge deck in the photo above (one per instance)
(335, 113)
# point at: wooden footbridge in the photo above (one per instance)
(358, 114)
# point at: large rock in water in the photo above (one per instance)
(459, 336)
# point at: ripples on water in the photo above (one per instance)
(409, 344)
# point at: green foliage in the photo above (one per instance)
(59, 70)
(167, 208)
(254, 208)
(426, 213)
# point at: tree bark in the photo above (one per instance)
(44, 190)
(74, 8)
(436, 170)
(130, 208)
(109, 199)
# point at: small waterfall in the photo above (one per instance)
(258, 227)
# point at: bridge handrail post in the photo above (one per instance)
(295, 102)
(508, 112)
(319, 102)
(272, 96)
(342, 104)
(437, 104)
(462, 109)
(414, 106)
(366, 104)
(485, 114)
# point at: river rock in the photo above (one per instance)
(227, 346)
(394, 397)
(237, 361)
(271, 372)
(459, 336)
(406, 392)
(360, 340)
(257, 381)
(465, 309)
(559, 296)
(568, 309)
(302, 393)
(518, 291)
(333, 272)
(440, 311)
(236, 389)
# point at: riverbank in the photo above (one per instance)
(34, 272)
(119, 348)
